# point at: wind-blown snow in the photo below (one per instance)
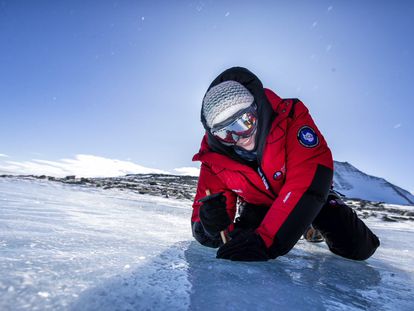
(67, 247)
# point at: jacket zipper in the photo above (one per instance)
(265, 181)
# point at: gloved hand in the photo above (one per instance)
(247, 245)
(250, 216)
(213, 214)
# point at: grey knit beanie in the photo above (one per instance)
(224, 100)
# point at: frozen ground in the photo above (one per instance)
(66, 247)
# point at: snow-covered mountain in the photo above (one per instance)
(356, 184)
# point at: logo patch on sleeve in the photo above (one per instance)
(308, 137)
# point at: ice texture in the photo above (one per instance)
(67, 247)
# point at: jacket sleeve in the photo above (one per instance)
(309, 172)
(209, 180)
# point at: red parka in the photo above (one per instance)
(293, 175)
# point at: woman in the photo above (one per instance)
(265, 154)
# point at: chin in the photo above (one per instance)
(249, 147)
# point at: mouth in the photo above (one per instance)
(246, 142)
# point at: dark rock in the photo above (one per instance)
(184, 188)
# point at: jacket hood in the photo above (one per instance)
(266, 114)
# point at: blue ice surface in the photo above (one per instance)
(74, 248)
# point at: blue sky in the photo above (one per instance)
(124, 80)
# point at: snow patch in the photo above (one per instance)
(188, 171)
(82, 166)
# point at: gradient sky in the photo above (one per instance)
(125, 79)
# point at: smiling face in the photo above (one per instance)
(247, 143)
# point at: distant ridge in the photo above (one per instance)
(354, 183)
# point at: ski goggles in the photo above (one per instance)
(242, 125)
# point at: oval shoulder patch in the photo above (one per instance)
(308, 137)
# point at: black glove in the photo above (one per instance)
(247, 245)
(213, 214)
(250, 216)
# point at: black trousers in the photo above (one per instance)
(345, 234)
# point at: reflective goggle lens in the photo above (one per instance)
(243, 126)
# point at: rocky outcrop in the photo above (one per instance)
(184, 188)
